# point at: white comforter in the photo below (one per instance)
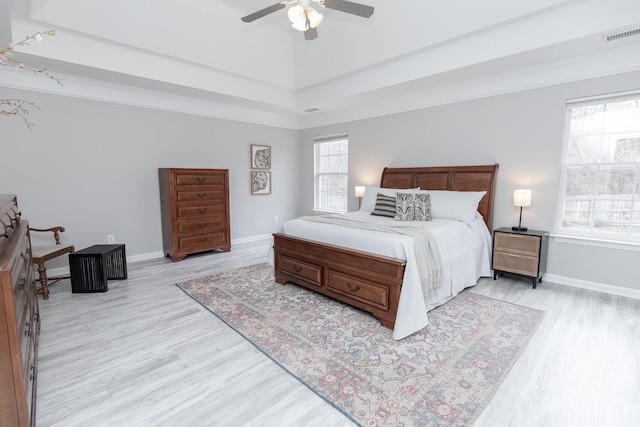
(465, 252)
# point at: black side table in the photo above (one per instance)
(91, 267)
(520, 253)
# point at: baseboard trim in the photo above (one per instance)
(251, 239)
(64, 271)
(592, 286)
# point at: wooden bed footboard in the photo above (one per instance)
(366, 281)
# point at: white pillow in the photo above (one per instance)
(456, 205)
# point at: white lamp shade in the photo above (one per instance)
(297, 17)
(522, 198)
(359, 191)
(315, 17)
(302, 19)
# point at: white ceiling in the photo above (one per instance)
(197, 56)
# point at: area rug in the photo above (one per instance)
(443, 375)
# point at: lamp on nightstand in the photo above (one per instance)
(521, 198)
(359, 193)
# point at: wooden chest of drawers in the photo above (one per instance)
(195, 211)
(19, 319)
(521, 253)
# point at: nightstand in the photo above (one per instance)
(520, 253)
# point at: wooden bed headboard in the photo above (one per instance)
(452, 178)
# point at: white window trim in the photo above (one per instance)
(592, 241)
(325, 138)
(563, 235)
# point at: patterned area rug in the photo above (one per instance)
(443, 375)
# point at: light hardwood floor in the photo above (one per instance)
(144, 354)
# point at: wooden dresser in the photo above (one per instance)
(195, 211)
(19, 319)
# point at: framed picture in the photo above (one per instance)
(260, 156)
(260, 182)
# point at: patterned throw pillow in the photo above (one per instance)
(404, 207)
(413, 207)
(422, 207)
(385, 206)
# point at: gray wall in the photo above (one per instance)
(92, 167)
(523, 132)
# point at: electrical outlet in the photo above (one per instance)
(111, 238)
(275, 218)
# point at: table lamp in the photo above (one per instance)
(359, 193)
(521, 198)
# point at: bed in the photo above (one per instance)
(383, 271)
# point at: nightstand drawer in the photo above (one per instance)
(513, 263)
(517, 244)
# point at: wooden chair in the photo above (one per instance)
(41, 254)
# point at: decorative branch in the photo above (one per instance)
(18, 107)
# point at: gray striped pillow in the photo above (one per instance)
(385, 206)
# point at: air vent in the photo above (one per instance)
(620, 35)
(311, 110)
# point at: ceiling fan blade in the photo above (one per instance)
(349, 7)
(264, 12)
(311, 34)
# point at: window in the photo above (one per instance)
(600, 184)
(331, 173)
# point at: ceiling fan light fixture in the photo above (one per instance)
(297, 17)
(304, 18)
(315, 17)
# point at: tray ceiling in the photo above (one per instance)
(200, 50)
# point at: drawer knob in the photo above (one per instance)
(201, 179)
(202, 210)
(21, 282)
(297, 268)
(27, 329)
(202, 195)
(353, 288)
(202, 239)
(203, 225)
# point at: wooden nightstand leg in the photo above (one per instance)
(534, 280)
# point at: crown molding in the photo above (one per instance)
(606, 62)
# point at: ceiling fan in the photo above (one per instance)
(305, 18)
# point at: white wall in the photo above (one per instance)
(522, 131)
(92, 167)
